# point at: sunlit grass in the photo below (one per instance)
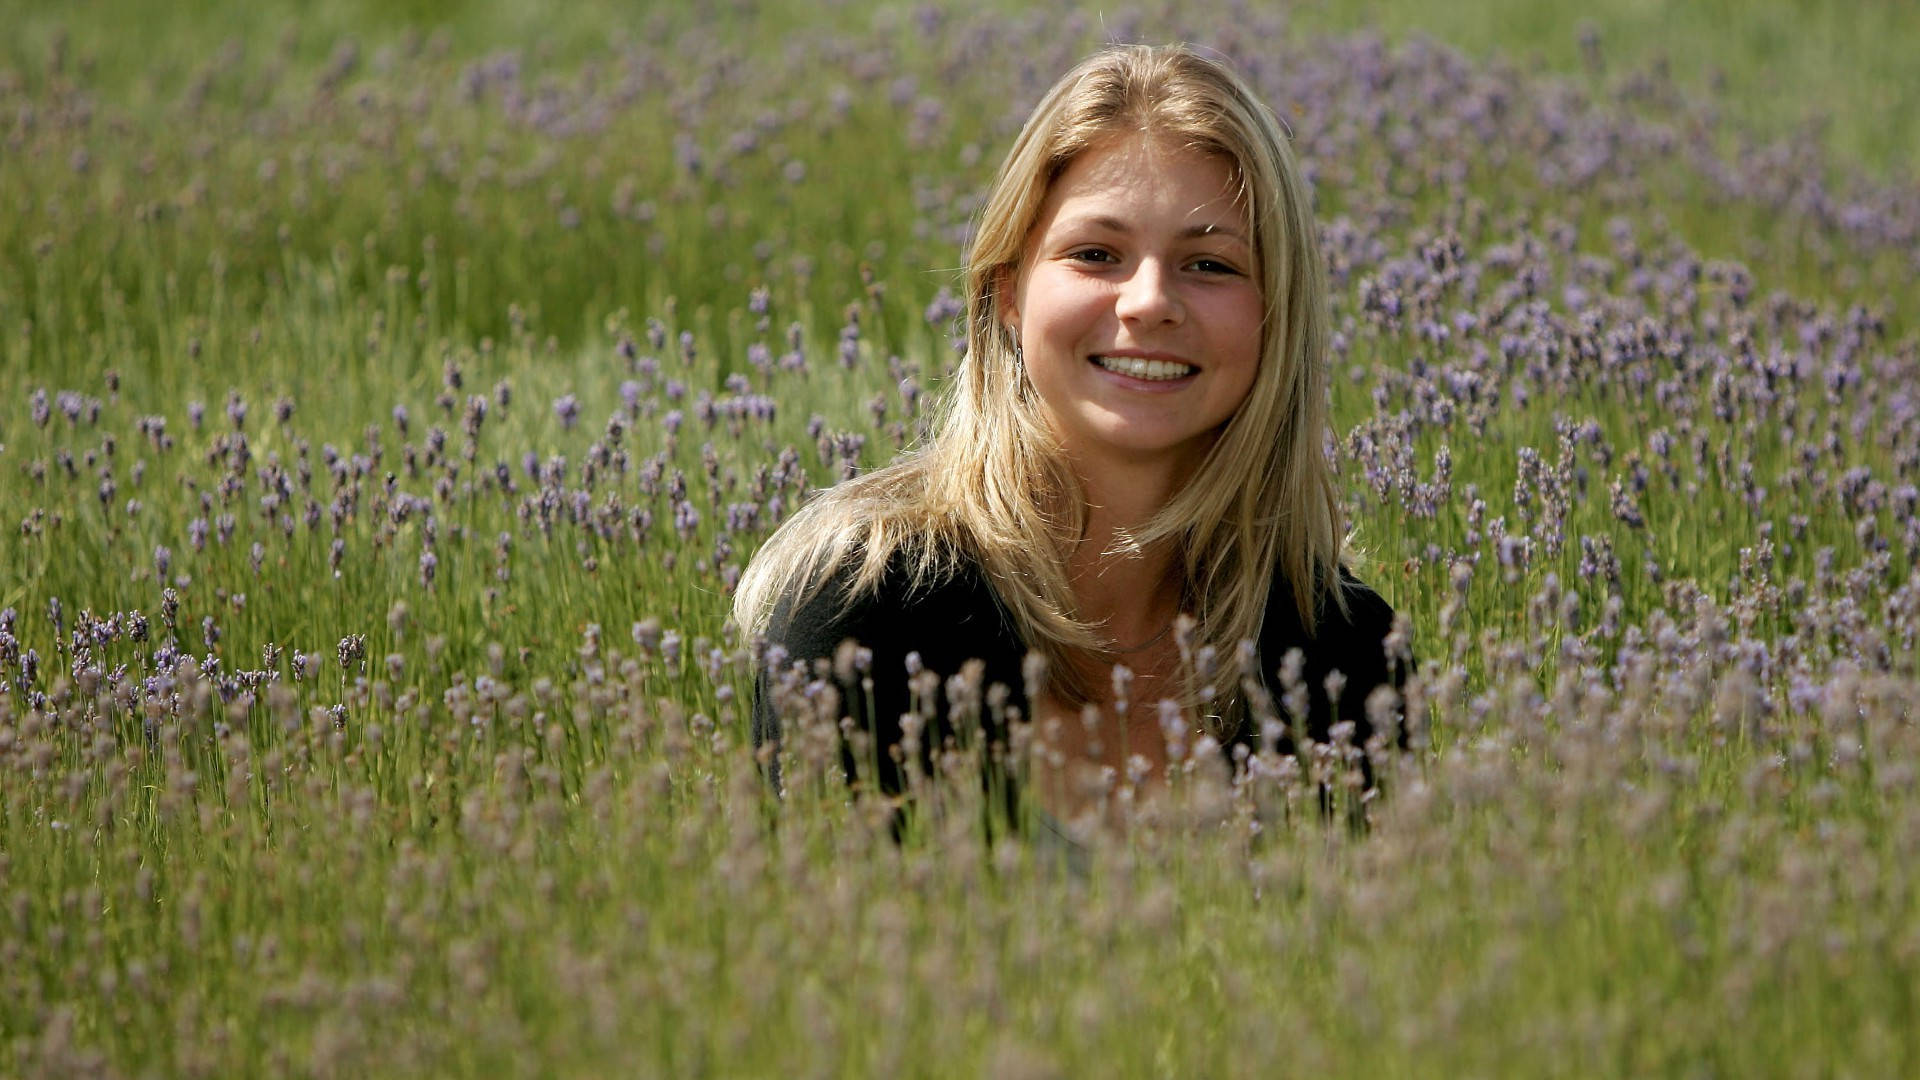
(303, 770)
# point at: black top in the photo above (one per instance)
(960, 618)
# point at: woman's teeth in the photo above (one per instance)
(1144, 369)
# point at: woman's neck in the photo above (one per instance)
(1132, 594)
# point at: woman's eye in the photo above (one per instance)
(1213, 266)
(1092, 255)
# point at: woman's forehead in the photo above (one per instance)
(1151, 172)
(1147, 142)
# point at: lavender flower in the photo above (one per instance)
(351, 650)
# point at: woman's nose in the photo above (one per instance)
(1148, 295)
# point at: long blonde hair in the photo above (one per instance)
(991, 484)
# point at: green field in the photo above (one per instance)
(391, 393)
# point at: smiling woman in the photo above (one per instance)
(1126, 513)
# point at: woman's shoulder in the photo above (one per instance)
(920, 589)
(1352, 619)
(820, 555)
(1356, 647)
(910, 573)
(1366, 609)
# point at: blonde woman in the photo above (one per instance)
(1128, 481)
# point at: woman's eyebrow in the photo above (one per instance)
(1214, 230)
(1115, 224)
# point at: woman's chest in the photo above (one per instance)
(1114, 748)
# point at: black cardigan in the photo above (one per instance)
(960, 618)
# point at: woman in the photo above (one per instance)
(1137, 432)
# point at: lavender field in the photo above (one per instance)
(386, 414)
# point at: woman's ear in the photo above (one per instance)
(1007, 297)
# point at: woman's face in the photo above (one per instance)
(1137, 302)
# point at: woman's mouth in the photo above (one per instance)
(1137, 367)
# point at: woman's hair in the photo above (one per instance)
(992, 484)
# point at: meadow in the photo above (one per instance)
(389, 402)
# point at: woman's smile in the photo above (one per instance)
(1155, 367)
